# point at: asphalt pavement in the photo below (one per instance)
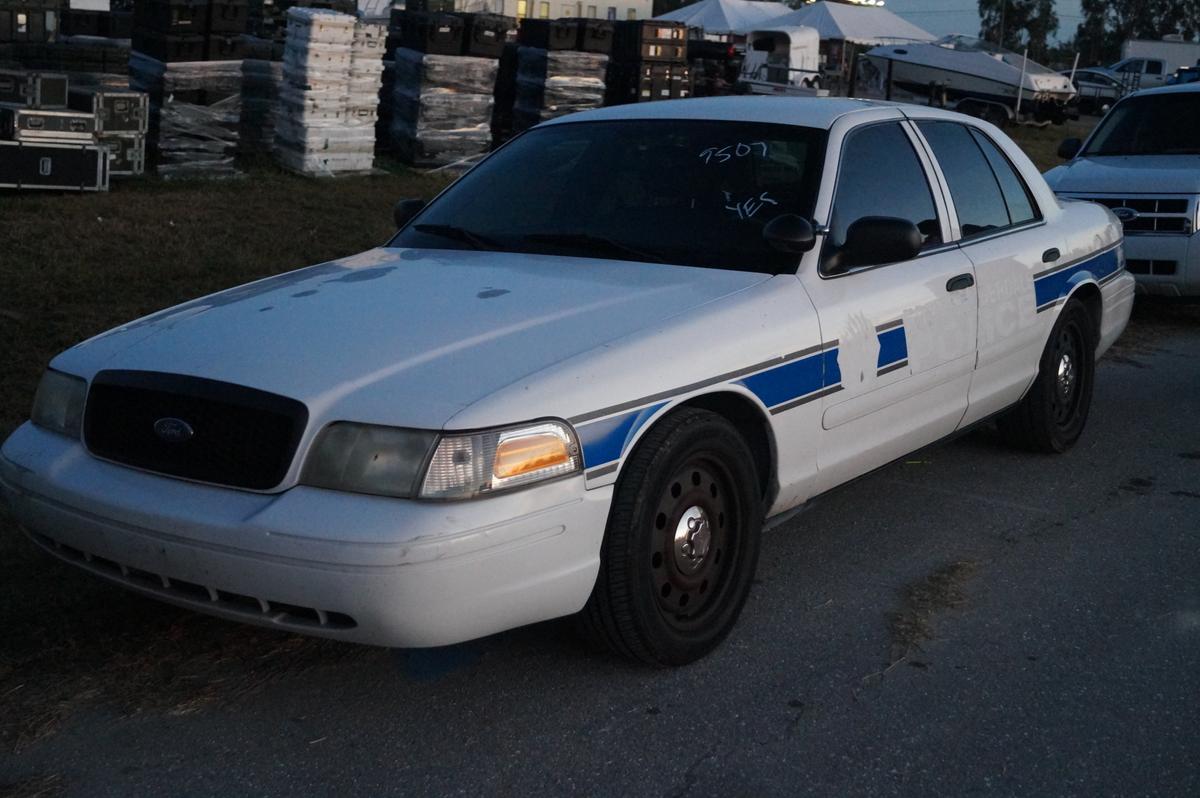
(971, 620)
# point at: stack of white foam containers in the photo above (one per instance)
(328, 103)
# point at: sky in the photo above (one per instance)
(940, 17)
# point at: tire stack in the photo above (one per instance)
(441, 101)
(649, 62)
(332, 69)
(554, 75)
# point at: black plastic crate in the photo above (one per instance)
(170, 47)
(228, 16)
(650, 40)
(596, 35)
(76, 22)
(33, 89)
(181, 17)
(119, 25)
(548, 34)
(484, 34)
(435, 34)
(225, 48)
(28, 22)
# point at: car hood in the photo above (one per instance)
(1128, 174)
(404, 336)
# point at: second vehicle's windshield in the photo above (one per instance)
(1153, 124)
(688, 192)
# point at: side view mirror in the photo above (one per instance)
(874, 240)
(789, 233)
(406, 209)
(1069, 148)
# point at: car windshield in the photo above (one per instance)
(1152, 124)
(687, 192)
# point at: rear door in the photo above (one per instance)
(899, 338)
(998, 225)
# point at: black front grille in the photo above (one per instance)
(229, 435)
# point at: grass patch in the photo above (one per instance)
(1041, 143)
(939, 591)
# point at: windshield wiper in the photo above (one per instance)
(593, 242)
(476, 240)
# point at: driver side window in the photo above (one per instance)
(880, 175)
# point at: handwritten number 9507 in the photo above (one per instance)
(730, 151)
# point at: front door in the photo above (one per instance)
(900, 336)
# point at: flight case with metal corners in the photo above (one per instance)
(35, 124)
(116, 110)
(55, 167)
(33, 89)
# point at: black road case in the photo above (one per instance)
(435, 34)
(126, 152)
(228, 16)
(548, 34)
(650, 40)
(33, 89)
(36, 124)
(29, 21)
(116, 110)
(172, 16)
(55, 167)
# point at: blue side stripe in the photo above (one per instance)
(1057, 285)
(893, 347)
(789, 381)
(604, 441)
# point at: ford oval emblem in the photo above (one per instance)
(1125, 214)
(173, 430)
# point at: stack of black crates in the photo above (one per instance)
(559, 67)
(649, 62)
(439, 81)
(190, 30)
(30, 21)
(54, 136)
(45, 35)
(114, 24)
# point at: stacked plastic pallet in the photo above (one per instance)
(195, 112)
(442, 107)
(553, 83)
(332, 70)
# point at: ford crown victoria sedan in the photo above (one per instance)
(582, 380)
(1142, 161)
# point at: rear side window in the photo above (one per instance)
(880, 176)
(973, 186)
(1016, 194)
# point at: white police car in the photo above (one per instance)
(580, 379)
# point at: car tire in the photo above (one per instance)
(1052, 415)
(681, 545)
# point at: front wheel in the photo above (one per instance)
(1053, 413)
(681, 545)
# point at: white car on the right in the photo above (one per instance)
(1143, 162)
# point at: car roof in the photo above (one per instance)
(818, 112)
(1180, 88)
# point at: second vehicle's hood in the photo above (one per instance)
(1128, 174)
(396, 336)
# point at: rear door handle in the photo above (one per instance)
(960, 282)
(1051, 255)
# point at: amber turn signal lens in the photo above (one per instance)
(524, 454)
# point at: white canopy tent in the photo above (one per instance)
(728, 16)
(872, 25)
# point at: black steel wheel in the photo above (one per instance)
(681, 544)
(1052, 415)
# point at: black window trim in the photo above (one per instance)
(930, 180)
(964, 241)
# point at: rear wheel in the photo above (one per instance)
(681, 545)
(1054, 412)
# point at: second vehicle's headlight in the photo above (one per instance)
(58, 403)
(485, 462)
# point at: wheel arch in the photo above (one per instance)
(751, 421)
(1088, 293)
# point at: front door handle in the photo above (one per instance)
(1051, 255)
(960, 282)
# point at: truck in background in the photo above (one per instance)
(1148, 63)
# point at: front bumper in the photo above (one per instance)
(1154, 252)
(358, 568)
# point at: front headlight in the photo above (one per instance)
(58, 403)
(485, 462)
(366, 458)
(389, 461)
